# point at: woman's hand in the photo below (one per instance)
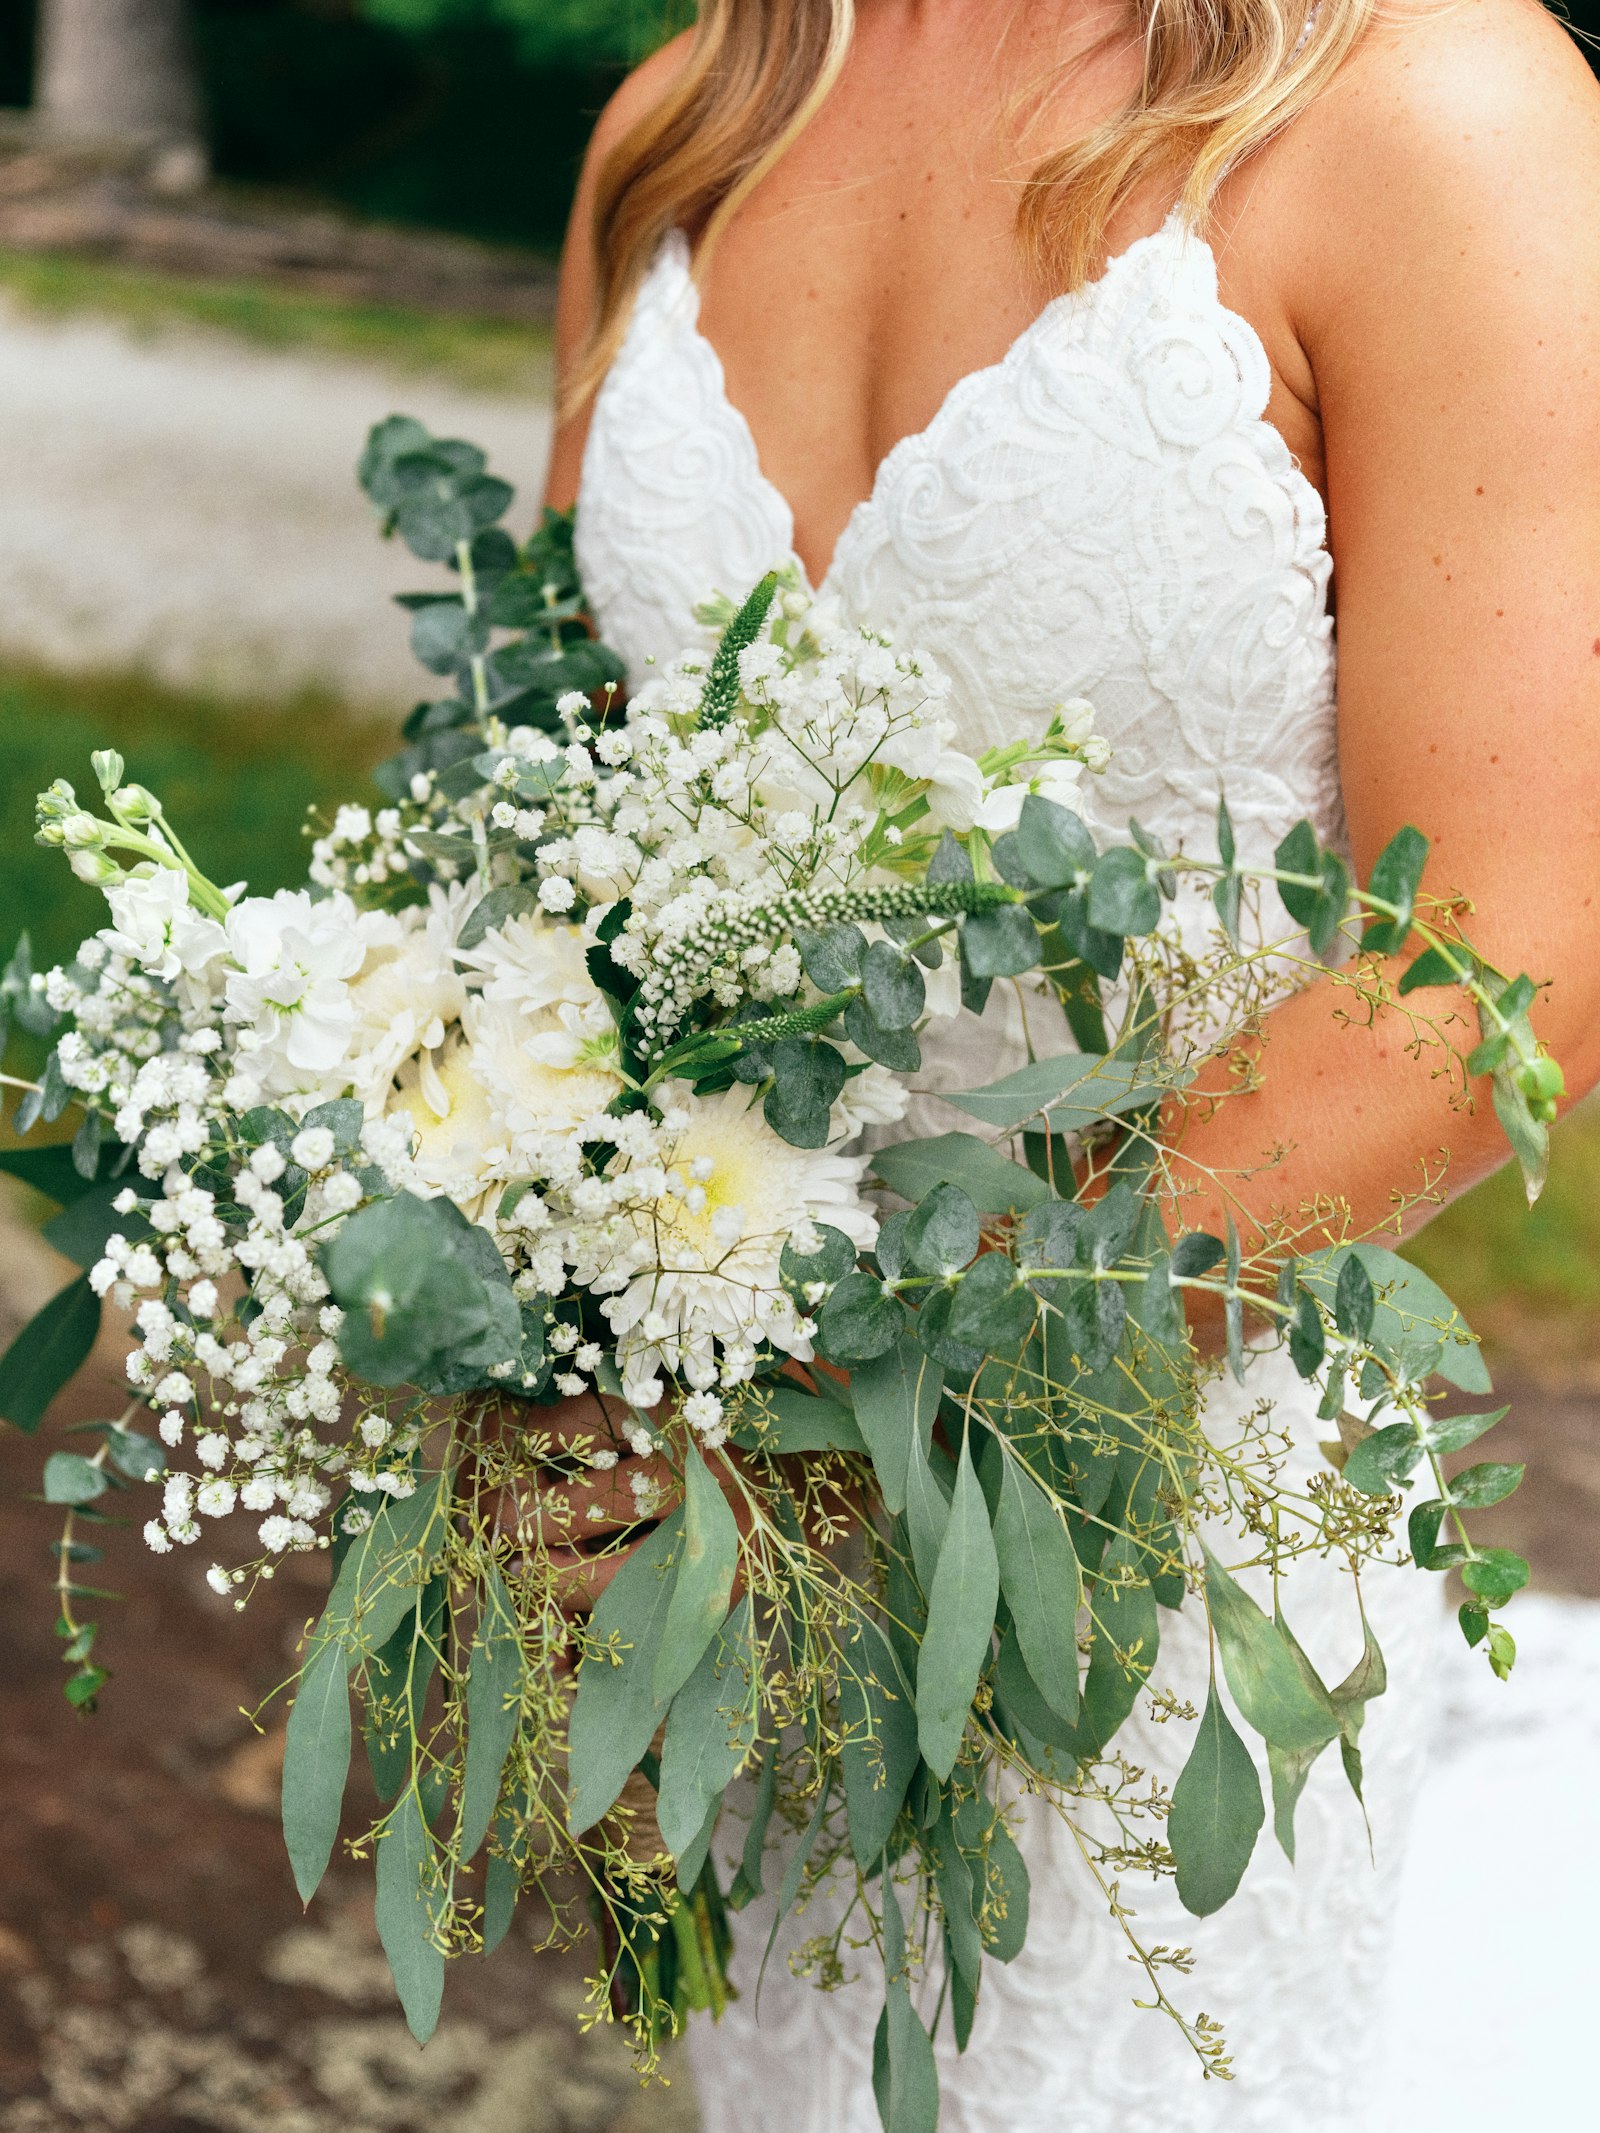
(583, 1487)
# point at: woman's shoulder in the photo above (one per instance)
(1454, 158)
(638, 94)
(1452, 105)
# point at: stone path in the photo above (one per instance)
(187, 507)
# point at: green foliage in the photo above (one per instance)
(49, 1350)
(550, 32)
(425, 1304)
(617, 1709)
(703, 1583)
(710, 1731)
(1039, 1578)
(961, 1604)
(316, 1763)
(494, 1701)
(1217, 1813)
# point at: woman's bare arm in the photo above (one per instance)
(1448, 298)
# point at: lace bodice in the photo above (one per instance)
(1103, 513)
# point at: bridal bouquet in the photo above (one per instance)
(550, 1084)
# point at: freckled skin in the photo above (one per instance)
(1435, 393)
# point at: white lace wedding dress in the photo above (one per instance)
(1104, 513)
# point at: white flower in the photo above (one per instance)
(1056, 780)
(409, 991)
(215, 1498)
(289, 991)
(874, 1097)
(955, 790)
(693, 1287)
(219, 1581)
(702, 1411)
(155, 1537)
(153, 925)
(312, 1148)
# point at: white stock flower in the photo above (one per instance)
(1056, 780)
(154, 925)
(874, 1097)
(289, 993)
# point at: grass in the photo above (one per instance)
(235, 781)
(1528, 1278)
(481, 355)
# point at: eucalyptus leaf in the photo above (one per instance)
(961, 1604)
(704, 1581)
(941, 1234)
(807, 1077)
(858, 1321)
(616, 1710)
(991, 1181)
(494, 1703)
(69, 1478)
(1412, 1315)
(896, 1398)
(878, 1755)
(908, 2096)
(316, 1762)
(892, 986)
(1216, 1813)
(993, 1310)
(49, 1350)
(1265, 1679)
(711, 1729)
(1052, 843)
(1073, 1090)
(408, 1901)
(1040, 1579)
(495, 910)
(1002, 943)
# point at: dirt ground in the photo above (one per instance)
(156, 1972)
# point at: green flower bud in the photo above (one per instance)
(1541, 1080)
(59, 801)
(108, 767)
(81, 833)
(99, 869)
(135, 803)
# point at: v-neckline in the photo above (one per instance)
(1071, 299)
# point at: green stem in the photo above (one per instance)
(469, 600)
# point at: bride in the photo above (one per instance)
(1092, 344)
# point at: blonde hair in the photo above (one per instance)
(1220, 78)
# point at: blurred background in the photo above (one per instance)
(233, 234)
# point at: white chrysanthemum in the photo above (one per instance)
(457, 1148)
(409, 991)
(532, 963)
(546, 1071)
(711, 1251)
